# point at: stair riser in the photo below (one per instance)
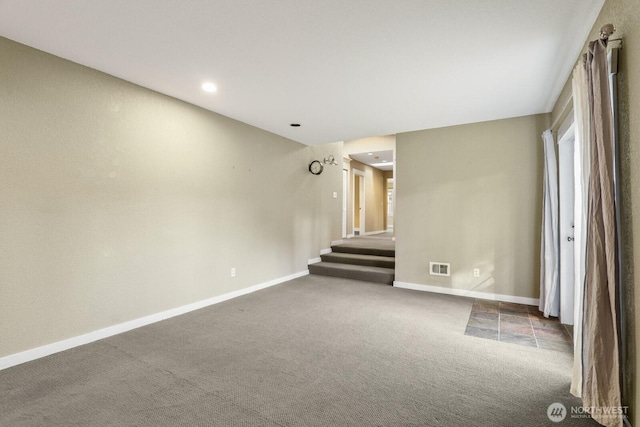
(355, 261)
(347, 274)
(364, 251)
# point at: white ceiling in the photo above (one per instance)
(343, 69)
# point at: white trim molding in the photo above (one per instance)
(334, 243)
(56, 347)
(322, 252)
(467, 293)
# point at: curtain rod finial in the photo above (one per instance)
(606, 30)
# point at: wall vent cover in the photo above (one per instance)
(440, 269)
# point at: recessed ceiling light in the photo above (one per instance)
(295, 125)
(209, 87)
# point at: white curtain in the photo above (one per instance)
(550, 245)
(582, 168)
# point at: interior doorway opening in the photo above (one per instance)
(370, 163)
(389, 205)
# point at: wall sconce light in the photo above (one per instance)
(315, 167)
(330, 161)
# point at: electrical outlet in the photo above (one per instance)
(233, 272)
(476, 272)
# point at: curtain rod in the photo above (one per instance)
(606, 31)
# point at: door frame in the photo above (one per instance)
(566, 221)
(345, 203)
(390, 206)
(361, 229)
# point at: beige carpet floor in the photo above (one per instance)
(315, 351)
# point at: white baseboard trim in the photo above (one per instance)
(349, 236)
(56, 347)
(467, 293)
(318, 259)
(337, 242)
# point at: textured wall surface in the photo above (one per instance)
(471, 195)
(117, 202)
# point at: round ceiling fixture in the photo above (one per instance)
(209, 87)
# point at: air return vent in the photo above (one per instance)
(440, 269)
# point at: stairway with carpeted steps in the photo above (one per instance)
(358, 262)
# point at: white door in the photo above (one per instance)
(566, 222)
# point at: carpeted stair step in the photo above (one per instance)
(359, 259)
(355, 272)
(363, 250)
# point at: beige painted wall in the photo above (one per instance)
(471, 195)
(118, 202)
(625, 15)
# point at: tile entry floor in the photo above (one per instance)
(518, 324)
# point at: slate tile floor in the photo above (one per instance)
(518, 324)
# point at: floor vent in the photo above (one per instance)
(440, 269)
